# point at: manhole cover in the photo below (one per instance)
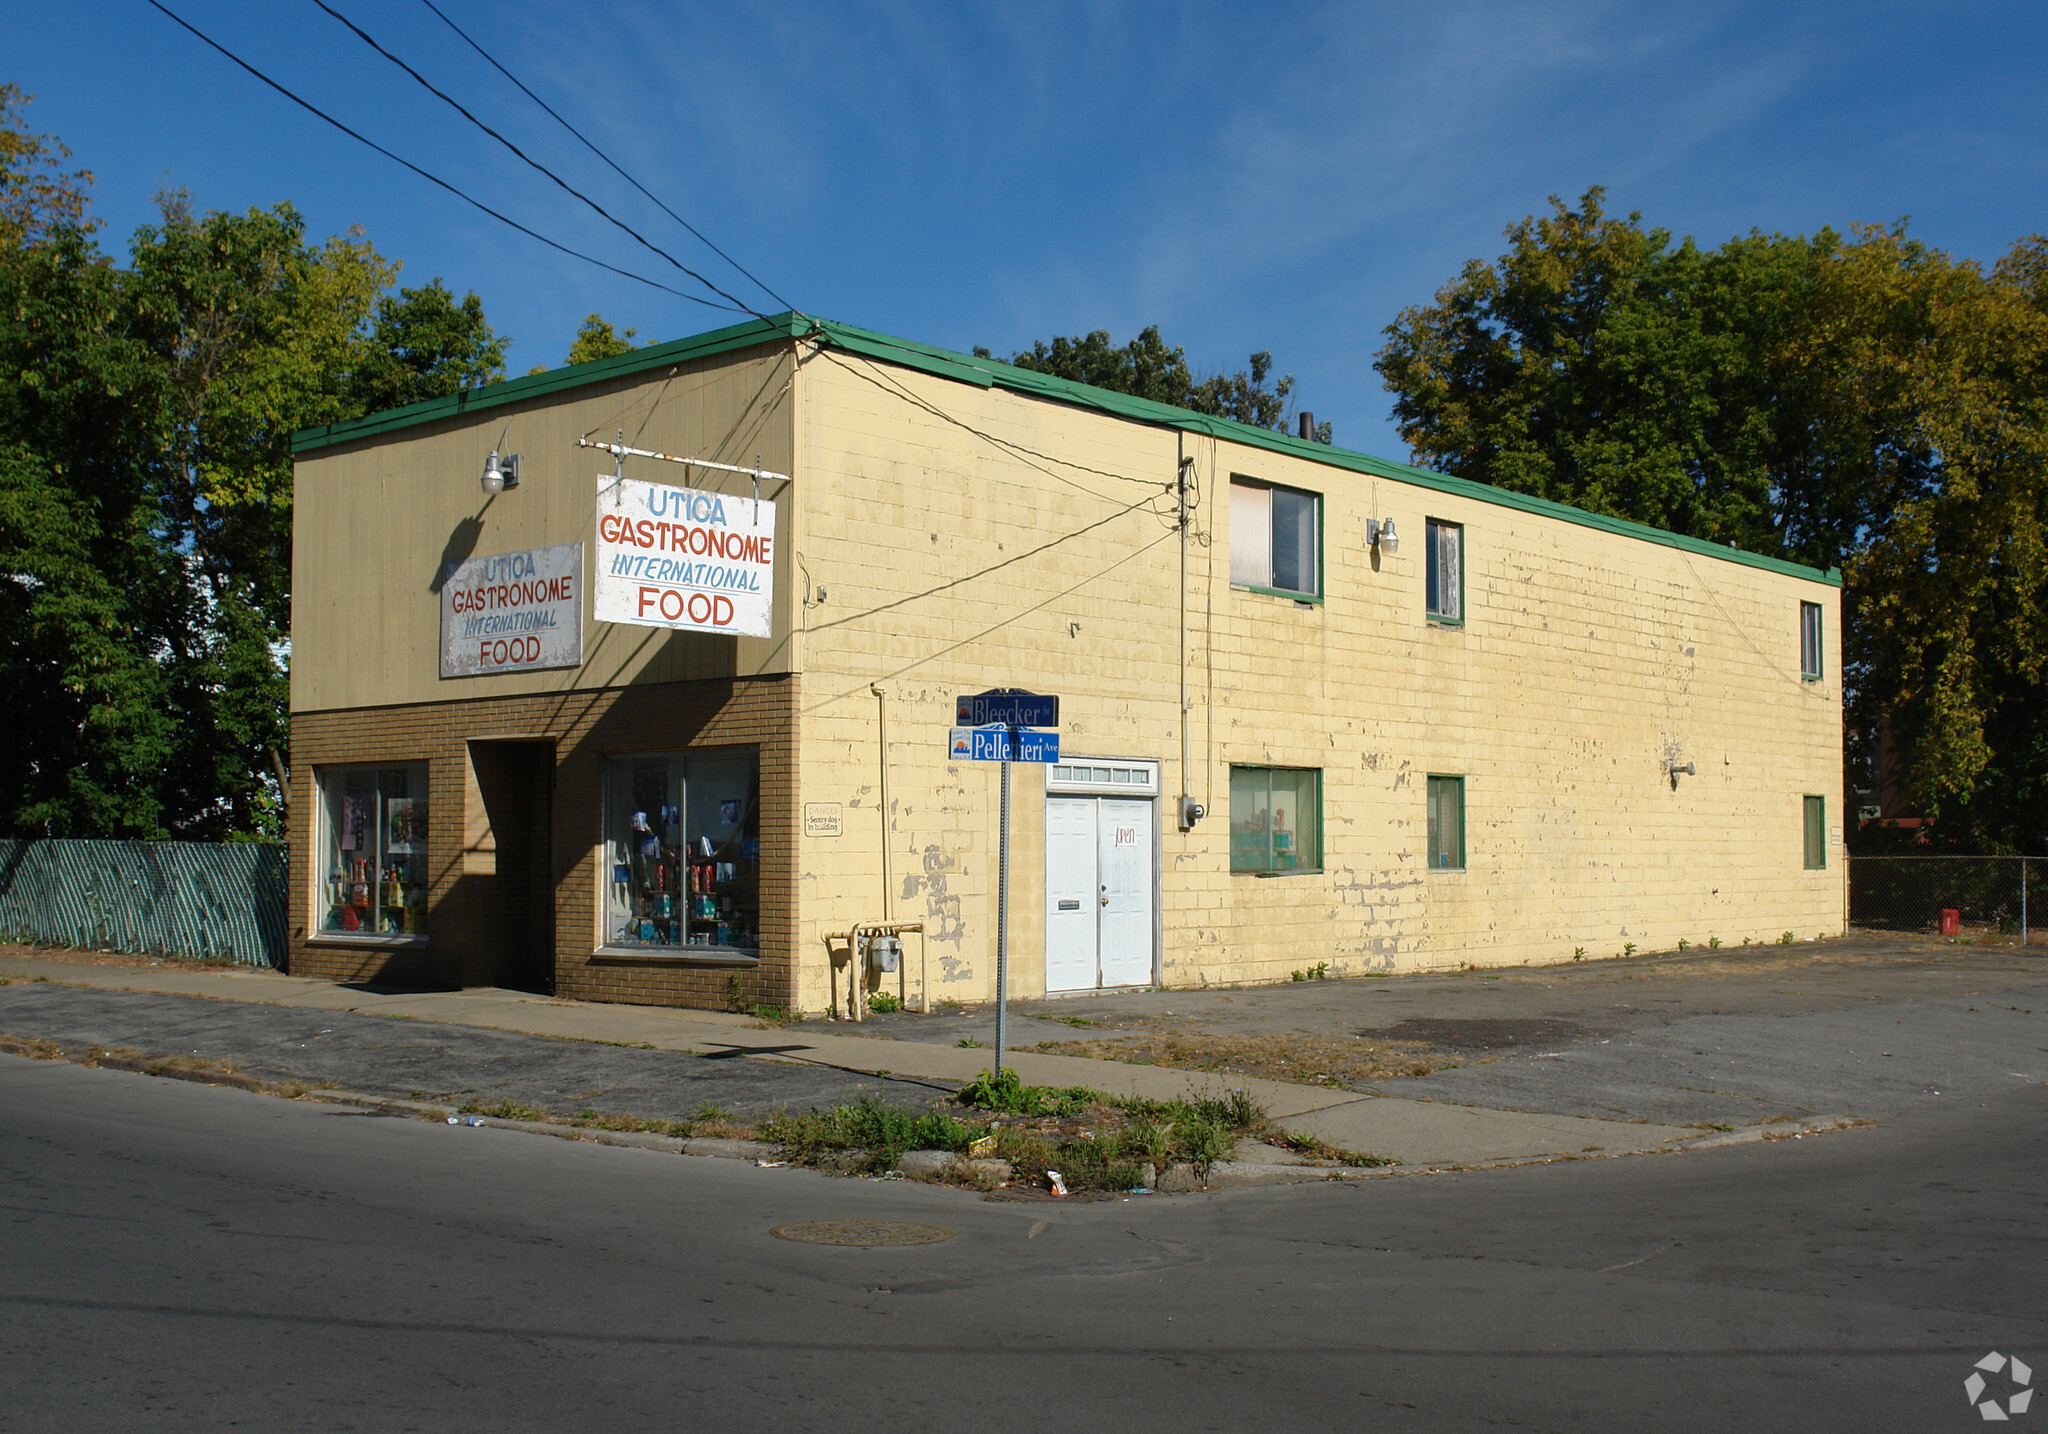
(862, 1232)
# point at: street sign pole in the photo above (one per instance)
(1003, 922)
(994, 726)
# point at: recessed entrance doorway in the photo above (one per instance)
(1101, 873)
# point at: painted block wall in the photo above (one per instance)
(969, 538)
(375, 520)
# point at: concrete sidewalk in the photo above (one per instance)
(1414, 1132)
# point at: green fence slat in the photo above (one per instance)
(217, 900)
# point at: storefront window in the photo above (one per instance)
(375, 845)
(683, 852)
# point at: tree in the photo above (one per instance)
(146, 417)
(1863, 402)
(598, 340)
(1148, 368)
(36, 198)
(424, 344)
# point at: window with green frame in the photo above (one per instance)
(1446, 797)
(1443, 562)
(1275, 539)
(1276, 819)
(1809, 641)
(1816, 833)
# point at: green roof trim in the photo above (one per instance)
(992, 373)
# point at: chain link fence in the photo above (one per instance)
(1951, 895)
(203, 900)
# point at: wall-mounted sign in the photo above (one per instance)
(684, 558)
(513, 612)
(821, 819)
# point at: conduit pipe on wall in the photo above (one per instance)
(859, 1004)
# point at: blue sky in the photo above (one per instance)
(1285, 177)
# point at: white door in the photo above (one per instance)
(1098, 893)
(1071, 897)
(1125, 878)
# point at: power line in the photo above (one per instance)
(433, 179)
(563, 184)
(587, 144)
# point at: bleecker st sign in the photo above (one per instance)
(684, 558)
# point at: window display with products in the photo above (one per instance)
(682, 853)
(374, 871)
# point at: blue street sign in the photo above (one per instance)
(1004, 744)
(1011, 706)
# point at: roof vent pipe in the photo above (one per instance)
(1308, 425)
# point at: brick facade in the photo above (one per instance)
(583, 729)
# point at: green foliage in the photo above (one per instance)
(424, 344)
(1864, 402)
(879, 1132)
(146, 415)
(884, 1002)
(1003, 1092)
(1148, 368)
(1318, 972)
(36, 198)
(599, 340)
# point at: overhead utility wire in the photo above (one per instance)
(563, 184)
(433, 179)
(587, 144)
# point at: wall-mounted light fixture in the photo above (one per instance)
(1379, 533)
(500, 473)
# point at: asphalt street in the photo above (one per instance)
(176, 1257)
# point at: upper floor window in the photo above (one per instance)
(1809, 640)
(1443, 561)
(1274, 543)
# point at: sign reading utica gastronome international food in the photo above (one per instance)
(513, 612)
(684, 558)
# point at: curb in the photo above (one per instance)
(710, 1147)
(1779, 1130)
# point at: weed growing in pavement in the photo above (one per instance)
(1002, 1092)
(1318, 972)
(1683, 944)
(884, 1002)
(1082, 1021)
(1578, 953)
(1713, 943)
(1787, 939)
(968, 1043)
(865, 1135)
(504, 1110)
(1628, 950)
(773, 1016)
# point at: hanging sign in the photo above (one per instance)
(513, 612)
(684, 558)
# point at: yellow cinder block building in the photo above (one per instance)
(1425, 722)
